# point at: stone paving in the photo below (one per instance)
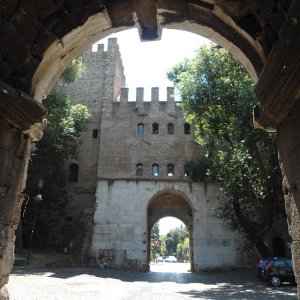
(164, 282)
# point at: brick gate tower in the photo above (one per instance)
(99, 84)
(131, 172)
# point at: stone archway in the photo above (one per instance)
(39, 39)
(175, 204)
(216, 28)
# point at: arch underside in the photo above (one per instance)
(175, 204)
(208, 21)
(40, 39)
(170, 203)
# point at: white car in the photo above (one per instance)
(171, 259)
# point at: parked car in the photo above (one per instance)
(160, 259)
(171, 259)
(260, 268)
(276, 270)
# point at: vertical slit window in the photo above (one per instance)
(155, 127)
(170, 170)
(155, 170)
(95, 133)
(187, 128)
(73, 173)
(187, 170)
(170, 128)
(140, 128)
(139, 169)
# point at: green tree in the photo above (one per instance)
(155, 231)
(73, 71)
(199, 169)
(174, 237)
(59, 143)
(218, 97)
(163, 246)
(183, 250)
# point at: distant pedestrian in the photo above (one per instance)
(156, 257)
(102, 264)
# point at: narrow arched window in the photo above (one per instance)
(140, 128)
(73, 173)
(170, 170)
(155, 128)
(155, 170)
(69, 219)
(170, 128)
(139, 169)
(187, 128)
(95, 133)
(187, 170)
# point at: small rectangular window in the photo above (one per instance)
(170, 128)
(170, 170)
(187, 170)
(73, 172)
(155, 170)
(187, 128)
(95, 133)
(140, 128)
(155, 127)
(139, 169)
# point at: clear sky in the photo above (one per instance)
(168, 223)
(146, 65)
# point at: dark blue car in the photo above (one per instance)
(276, 270)
(260, 268)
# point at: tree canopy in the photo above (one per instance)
(218, 97)
(155, 231)
(174, 237)
(73, 71)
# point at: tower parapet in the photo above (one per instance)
(124, 97)
(154, 95)
(101, 80)
(140, 97)
(170, 94)
(168, 105)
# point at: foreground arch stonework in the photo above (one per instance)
(38, 40)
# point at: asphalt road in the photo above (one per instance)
(166, 281)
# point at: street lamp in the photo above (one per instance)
(38, 198)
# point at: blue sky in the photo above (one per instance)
(146, 65)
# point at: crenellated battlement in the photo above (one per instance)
(112, 46)
(140, 95)
(154, 94)
(141, 103)
(109, 61)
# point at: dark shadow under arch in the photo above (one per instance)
(278, 246)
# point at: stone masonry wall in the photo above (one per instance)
(120, 219)
(123, 195)
(288, 146)
(14, 156)
(101, 81)
(122, 147)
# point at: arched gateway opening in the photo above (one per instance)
(170, 203)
